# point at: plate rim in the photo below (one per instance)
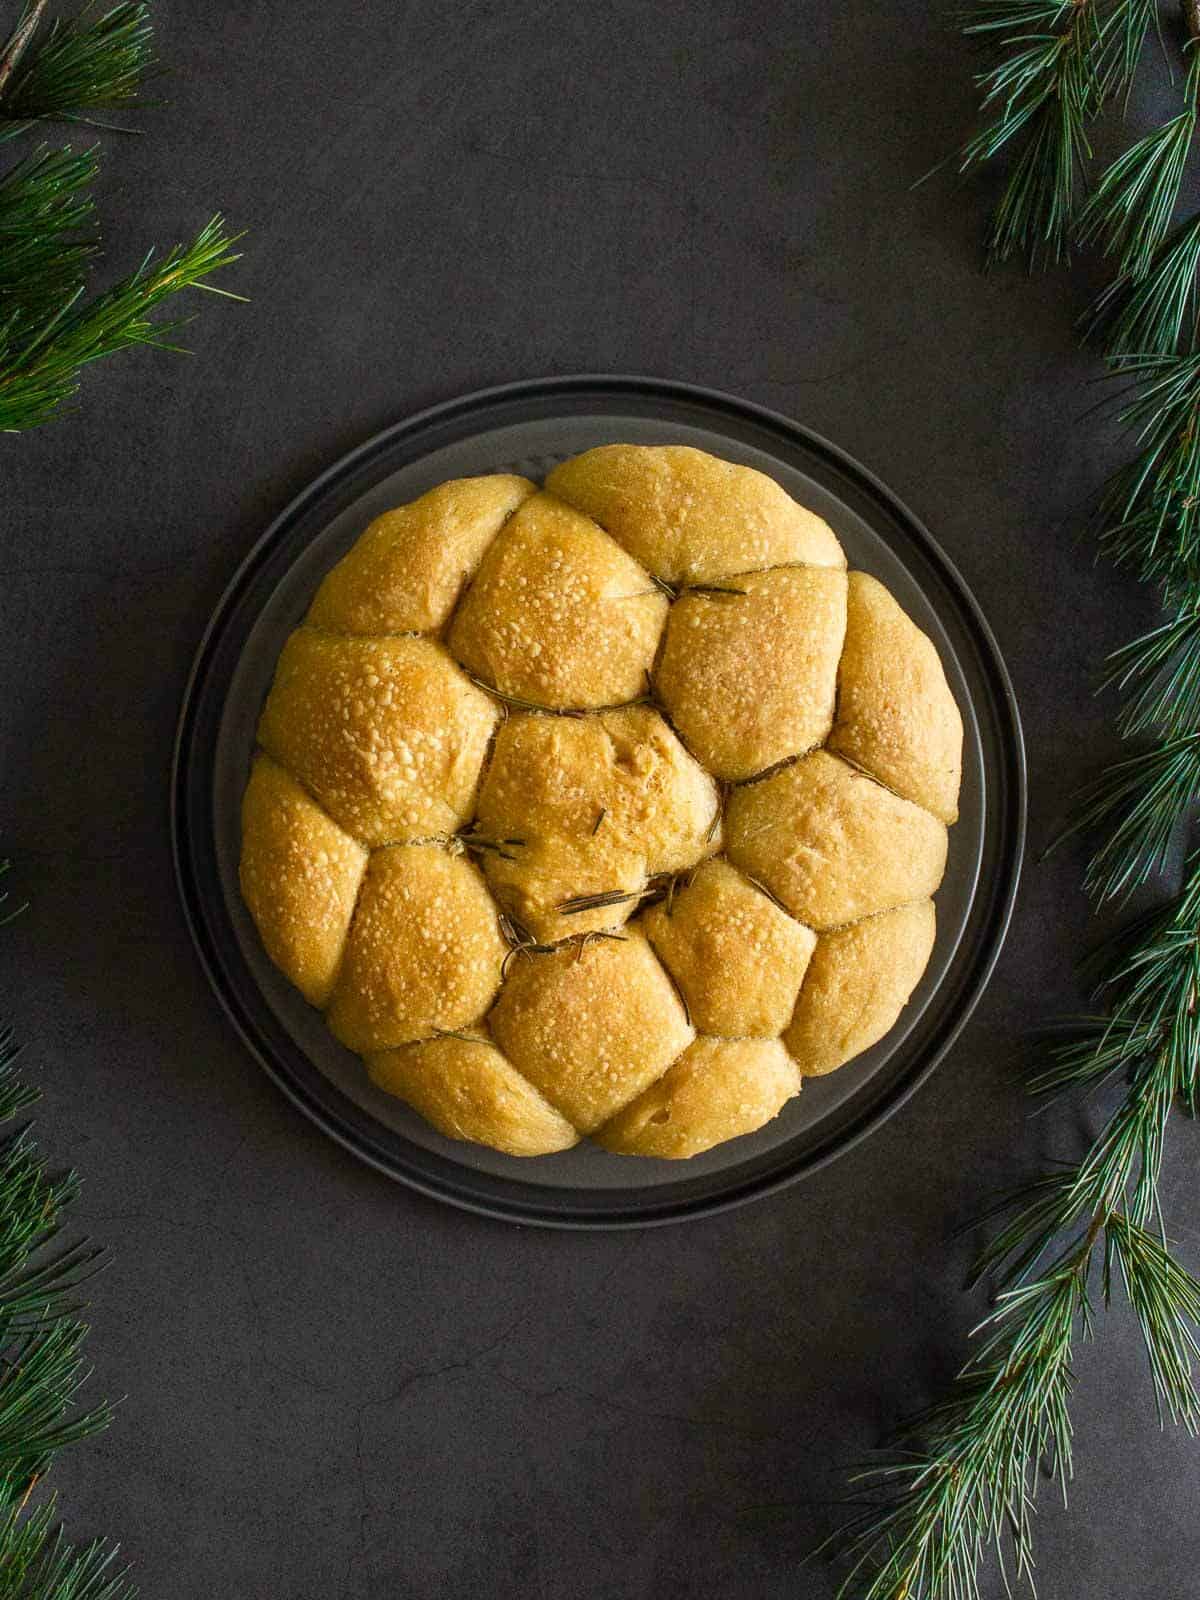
(1008, 875)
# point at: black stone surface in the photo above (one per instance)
(332, 1387)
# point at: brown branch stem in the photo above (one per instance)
(16, 45)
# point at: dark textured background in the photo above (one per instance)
(335, 1388)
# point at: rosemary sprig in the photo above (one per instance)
(597, 902)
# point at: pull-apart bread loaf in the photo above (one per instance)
(611, 809)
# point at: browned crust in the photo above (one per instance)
(859, 980)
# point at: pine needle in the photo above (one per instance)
(47, 232)
(1053, 73)
(1131, 210)
(40, 370)
(963, 1477)
(90, 62)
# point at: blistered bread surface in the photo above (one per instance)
(608, 809)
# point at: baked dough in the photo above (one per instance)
(424, 952)
(467, 1090)
(832, 844)
(689, 517)
(300, 877)
(388, 734)
(592, 1025)
(558, 614)
(749, 671)
(590, 805)
(718, 1089)
(858, 981)
(406, 572)
(610, 809)
(737, 958)
(896, 718)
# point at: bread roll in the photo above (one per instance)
(834, 845)
(558, 615)
(689, 517)
(591, 1025)
(858, 981)
(749, 678)
(424, 952)
(597, 804)
(300, 876)
(388, 734)
(737, 959)
(896, 718)
(467, 1090)
(717, 1090)
(406, 571)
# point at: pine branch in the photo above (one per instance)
(1149, 512)
(1131, 210)
(964, 1475)
(40, 369)
(47, 232)
(41, 1368)
(80, 65)
(967, 1480)
(39, 1563)
(1143, 797)
(1159, 675)
(1056, 64)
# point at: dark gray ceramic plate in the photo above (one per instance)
(527, 428)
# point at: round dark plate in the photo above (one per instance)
(527, 427)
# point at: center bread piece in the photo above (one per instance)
(609, 810)
(576, 816)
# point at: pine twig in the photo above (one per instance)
(18, 42)
(39, 370)
(47, 233)
(964, 1479)
(80, 65)
(1054, 70)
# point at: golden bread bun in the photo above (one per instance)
(859, 980)
(406, 572)
(558, 615)
(749, 673)
(737, 958)
(896, 717)
(388, 734)
(590, 805)
(608, 809)
(424, 952)
(591, 1025)
(832, 844)
(467, 1090)
(718, 1089)
(300, 876)
(689, 517)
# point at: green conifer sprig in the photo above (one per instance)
(963, 1480)
(1130, 211)
(47, 232)
(60, 69)
(66, 69)
(80, 65)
